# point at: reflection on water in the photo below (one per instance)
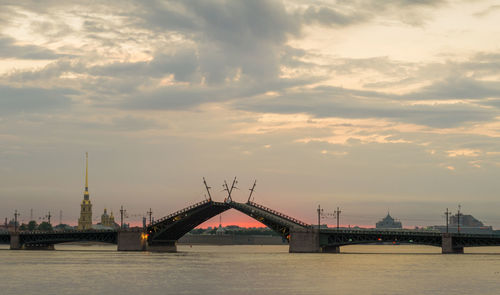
(361, 269)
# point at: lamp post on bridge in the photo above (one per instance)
(15, 220)
(337, 214)
(447, 214)
(320, 212)
(150, 213)
(122, 213)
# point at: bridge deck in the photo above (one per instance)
(4, 238)
(54, 237)
(179, 212)
(281, 215)
(173, 226)
(340, 237)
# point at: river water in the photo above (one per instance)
(363, 269)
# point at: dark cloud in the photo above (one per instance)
(186, 97)
(26, 99)
(457, 88)
(231, 37)
(183, 65)
(235, 50)
(346, 13)
(327, 16)
(9, 49)
(413, 2)
(410, 12)
(493, 103)
(346, 103)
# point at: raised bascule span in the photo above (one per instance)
(279, 222)
(163, 234)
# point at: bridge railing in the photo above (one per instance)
(403, 232)
(71, 231)
(181, 211)
(269, 210)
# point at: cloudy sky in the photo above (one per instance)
(364, 104)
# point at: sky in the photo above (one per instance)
(370, 106)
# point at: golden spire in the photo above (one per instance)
(86, 193)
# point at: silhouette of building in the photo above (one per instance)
(465, 221)
(107, 221)
(468, 225)
(388, 222)
(85, 220)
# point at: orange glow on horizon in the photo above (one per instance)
(238, 223)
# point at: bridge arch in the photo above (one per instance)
(47, 240)
(356, 237)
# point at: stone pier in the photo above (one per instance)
(15, 243)
(304, 241)
(131, 241)
(447, 245)
(163, 246)
(330, 249)
(38, 247)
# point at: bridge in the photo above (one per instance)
(302, 237)
(330, 240)
(4, 238)
(45, 240)
(163, 234)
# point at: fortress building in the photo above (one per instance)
(85, 220)
(467, 224)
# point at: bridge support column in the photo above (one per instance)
(131, 241)
(447, 245)
(163, 246)
(38, 247)
(15, 243)
(330, 249)
(304, 241)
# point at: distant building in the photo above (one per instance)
(220, 230)
(468, 225)
(465, 221)
(63, 227)
(388, 222)
(85, 220)
(107, 221)
(11, 226)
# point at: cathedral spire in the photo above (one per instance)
(85, 220)
(86, 193)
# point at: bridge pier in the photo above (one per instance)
(330, 249)
(163, 246)
(15, 243)
(38, 247)
(304, 241)
(447, 245)
(131, 241)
